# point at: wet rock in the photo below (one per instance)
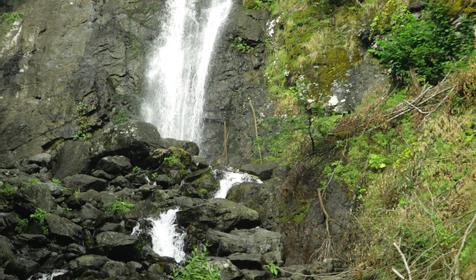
(7, 160)
(43, 159)
(189, 147)
(263, 170)
(115, 165)
(89, 212)
(21, 267)
(254, 274)
(85, 182)
(118, 246)
(102, 174)
(114, 269)
(246, 261)
(86, 262)
(172, 158)
(228, 271)
(6, 250)
(253, 241)
(220, 214)
(201, 184)
(62, 228)
(133, 139)
(74, 250)
(30, 197)
(121, 182)
(8, 221)
(72, 158)
(34, 240)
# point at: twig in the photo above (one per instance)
(461, 247)
(398, 273)
(416, 108)
(256, 129)
(404, 260)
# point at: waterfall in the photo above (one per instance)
(178, 65)
(231, 178)
(166, 240)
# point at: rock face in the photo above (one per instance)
(236, 81)
(67, 60)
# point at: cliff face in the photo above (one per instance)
(68, 59)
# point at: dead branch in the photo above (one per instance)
(404, 260)
(461, 247)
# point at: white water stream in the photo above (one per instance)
(166, 239)
(177, 71)
(232, 178)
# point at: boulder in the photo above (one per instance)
(33, 240)
(114, 165)
(189, 147)
(246, 261)
(7, 161)
(114, 269)
(252, 241)
(89, 212)
(72, 158)
(201, 184)
(220, 214)
(43, 159)
(30, 197)
(263, 170)
(6, 250)
(85, 182)
(62, 228)
(133, 139)
(251, 274)
(228, 271)
(120, 181)
(8, 221)
(86, 262)
(118, 246)
(21, 267)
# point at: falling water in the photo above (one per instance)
(167, 241)
(231, 178)
(177, 71)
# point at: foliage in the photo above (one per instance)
(11, 18)
(120, 207)
(273, 269)
(21, 226)
(424, 44)
(136, 169)
(241, 45)
(197, 267)
(39, 217)
(7, 189)
(33, 181)
(120, 117)
(256, 4)
(173, 161)
(84, 129)
(56, 181)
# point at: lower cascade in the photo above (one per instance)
(231, 178)
(167, 241)
(48, 276)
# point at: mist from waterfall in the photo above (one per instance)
(178, 65)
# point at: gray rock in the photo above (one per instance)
(34, 240)
(85, 182)
(120, 181)
(6, 250)
(228, 271)
(72, 158)
(263, 170)
(252, 241)
(102, 174)
(254, 274)
(89, 212)
(118, 246)
(21, 267)
(114, 269)
(31, 197)
(189, 147)
(220, 214)
(246, 261)
(7, 160)
(115, 164)
(63, 228)
(201, 184)
(88, 262)
(42, 159)
(8, 221)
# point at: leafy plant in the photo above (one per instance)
(84, 130)
(273, 269)
(173, 161)
(197, 267)
(120, 117)
(39, 217)
(136, 169)
(8, 190)
(425, 44)
(11, 18)
(56, 181)
(34, 181)
(21, 226)
(377, 161)
(120, 207)
(241, 45)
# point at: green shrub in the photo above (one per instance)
(241, 45)
(197, 267)
(11, 18)
(8, 190)
(120, 207)
(426, 44)
(21, 226)
(120, 117)
(39, 217)
(84, 130)
(173, 161)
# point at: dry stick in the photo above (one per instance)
(225, 142)
(256, 129)
(404, 260)
(461, 247)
